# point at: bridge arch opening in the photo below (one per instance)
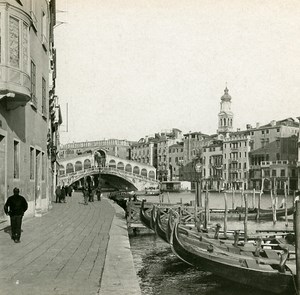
(62, 170)
(78, 166)
(120, 166)
(69, 168)
(112, 164)
(136, 170)
(151, 174)
(144, 172)
(87, 164)
(128, 168)
(100, 158)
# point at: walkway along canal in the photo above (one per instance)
(73, 250)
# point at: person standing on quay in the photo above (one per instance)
(58, 194)
(63, 194)
(15, 207)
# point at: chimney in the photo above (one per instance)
(248, 126)
(257, 124)
(273, 123)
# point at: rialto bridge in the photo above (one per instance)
(111, 171)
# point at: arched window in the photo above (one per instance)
(112, 164)
(144, 172)
(136, 170)
(78, 166)
(120, 166)
(151, 174)
(128, 168)
(87, 164)
(70, 168)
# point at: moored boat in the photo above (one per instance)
(152, 191)
(271, 275)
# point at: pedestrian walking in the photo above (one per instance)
(15, 207)
(98, 193)
(91, 194)
(58, 194)
(70, 190)
(85, 193)
(63, 194)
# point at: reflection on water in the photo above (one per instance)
(161, 272)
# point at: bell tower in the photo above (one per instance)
(225, 116)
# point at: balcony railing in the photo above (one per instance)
(278, 162)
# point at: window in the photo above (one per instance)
(16, 160)
(267, 131)
(274, 173)
(31, 163)
(262, 132)
(14, 42)
(33, 84)
(44, 109)
(282, 172)
(267, 173)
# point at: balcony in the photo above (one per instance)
(14, 87)
(298, 164)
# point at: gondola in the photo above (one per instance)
(264, 274)
(160, 228)
(144, 216)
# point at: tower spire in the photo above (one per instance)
(225, 116)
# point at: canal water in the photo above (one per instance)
(160, 272)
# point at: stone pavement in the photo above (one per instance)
(74, 249)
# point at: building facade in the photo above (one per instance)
(236, 148)
(26, 50)
(272, 145)
(175, 160)
(113, 147)
(213, 165)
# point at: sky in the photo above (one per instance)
(126, 68)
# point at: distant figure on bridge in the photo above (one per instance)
(58, 194)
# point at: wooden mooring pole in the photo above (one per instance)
(285, 205)
(225, 215)
(233, 199)
(297, 233)
(246, 217)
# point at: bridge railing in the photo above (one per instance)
(111, 169)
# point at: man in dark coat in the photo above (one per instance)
(15, 207)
